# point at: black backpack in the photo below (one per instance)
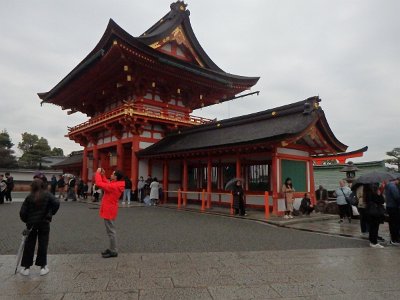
(352, 199)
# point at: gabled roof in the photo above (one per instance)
(177, 17)
(273, 125)
(208, 70)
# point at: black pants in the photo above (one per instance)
(40, 232)
(2, 197)
(373, 224)
(306, 210)
(8, 195)
(363, 220)
(394, 223)
(344, 211)
(241, 210)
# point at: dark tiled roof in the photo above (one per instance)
(74, 158)
(270, 125)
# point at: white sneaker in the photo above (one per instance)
(24, 272)
(128, 203)
(378, 246)
(123, 202)
(44, 271)
(286, 217)
(394, 243)
(291, 217)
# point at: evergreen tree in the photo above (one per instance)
(7, 157)
(395, 160)
(33, 149)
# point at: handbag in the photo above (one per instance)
(351, 199)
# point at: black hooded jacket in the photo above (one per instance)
(42, 211)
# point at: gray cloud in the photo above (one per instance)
(346, 51)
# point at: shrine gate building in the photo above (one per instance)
(139, 93)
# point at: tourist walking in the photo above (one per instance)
(37, 211)
(154, 191)
(306, 207)
(375, 212)
(361, 210)
(392, 207)
(71, 189)
(10, 186)
(3, 187)
(140, 187)
(288, 192)
(341, 194)
(127, 191)
(321, 196)
(238, 199)
(61, 187)
(53, 184)
(109, 205)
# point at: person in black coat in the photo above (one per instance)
(238, 199)
(37, 211)
(374, 202)
(306, 207)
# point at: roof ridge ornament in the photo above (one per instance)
(178, 6)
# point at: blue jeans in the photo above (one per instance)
(127, 195)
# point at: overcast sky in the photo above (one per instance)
(347, 52)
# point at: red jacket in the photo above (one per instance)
(112, 193)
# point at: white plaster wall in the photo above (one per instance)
(157, 170)
(143, 168)
(144, 145)
(292, 152)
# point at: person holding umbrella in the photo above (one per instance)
(238, 199)
(374, 211)
(37, 211)
(392, 207)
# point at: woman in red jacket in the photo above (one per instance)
(109, 205)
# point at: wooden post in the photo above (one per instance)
(185, 180)
(120, 155)
(203, 200)
(231, 204)
(95, 158)
(84, 165)
(209, 182)
(134, 163)
(238, 167)
(266, 205)
(312, 183)
(179, 198)
(274, 183)
(165, 181)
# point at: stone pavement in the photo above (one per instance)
(287, 274)
(340, 273)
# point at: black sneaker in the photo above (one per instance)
(105, 252)
(110, 254)
(381, 239)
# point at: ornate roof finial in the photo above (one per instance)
(178, 6)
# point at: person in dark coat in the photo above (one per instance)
(37, 211)
(10, 186)
(61, 186)
(53, 184)
(374, 197)
(306, 207)
(3, 188)
(238, 199)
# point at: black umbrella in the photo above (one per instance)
(231, 183)
(374, 177)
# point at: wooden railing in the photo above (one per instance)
(136, 110)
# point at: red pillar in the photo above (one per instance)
(312, 183)
(134, 163)
(95, 158)
(185, 180)
(238, 168)
(120, 155)
(165, 180)
(209, 182)
(274, 182)
(84, 165)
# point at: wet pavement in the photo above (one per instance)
(333, 264)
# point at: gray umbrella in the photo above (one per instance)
(374, 177)
(25, 234)
(231, 183)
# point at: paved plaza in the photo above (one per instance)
(170, 254)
